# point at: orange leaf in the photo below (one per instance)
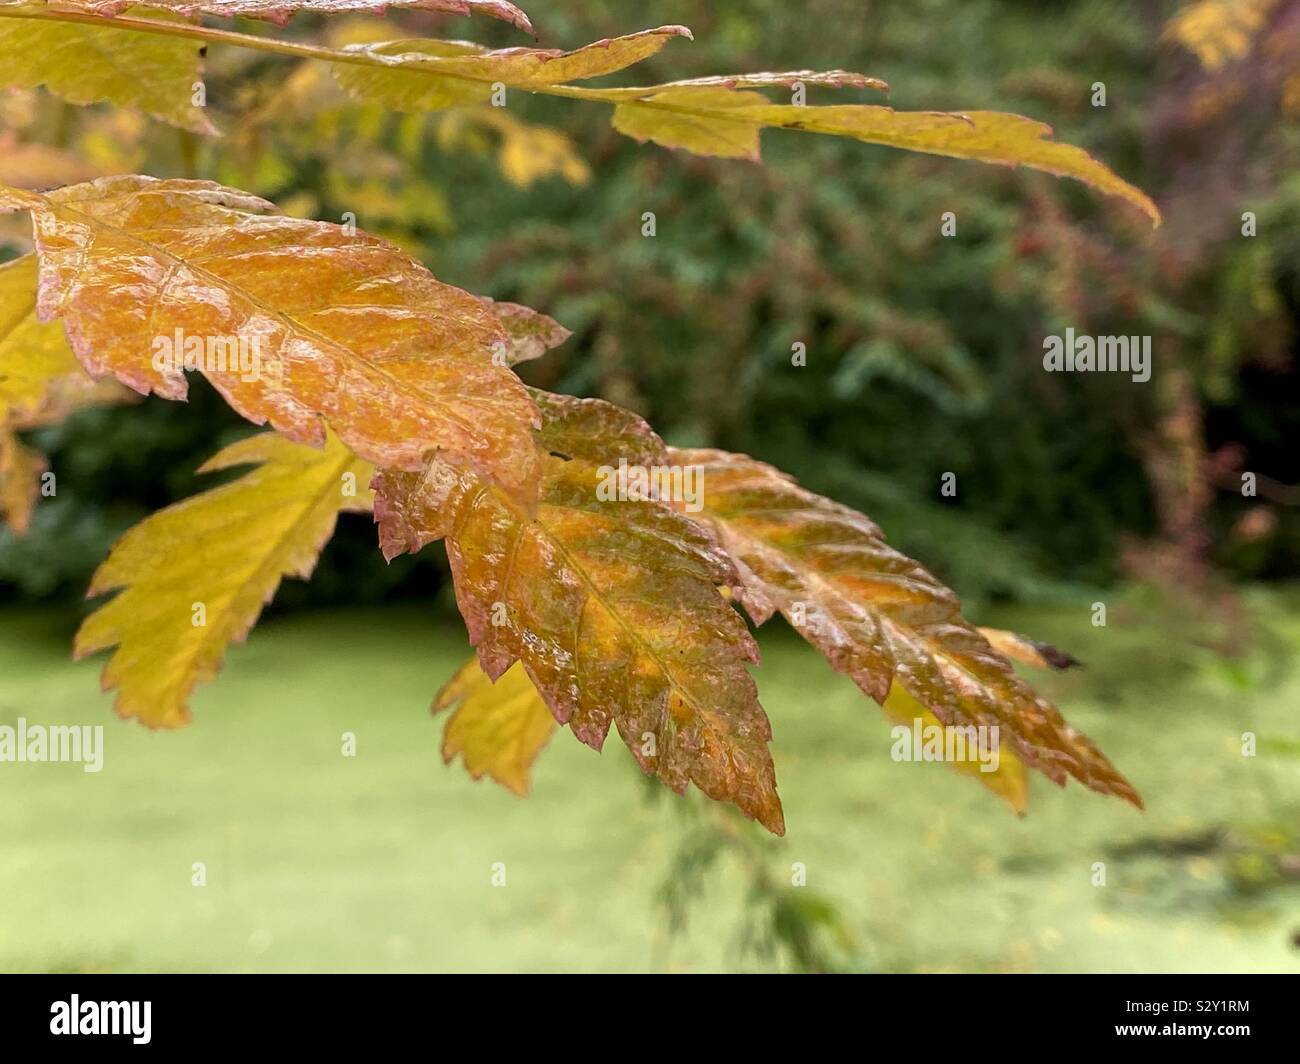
(41, 381)
(529, 333)
(611, 603)
(326, 323)
(877, 616)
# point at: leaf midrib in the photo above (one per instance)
(291, 323)
(523, 522)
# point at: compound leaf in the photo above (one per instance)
(877, 616)
(611, 603)
(194, 577)
(326, 323)
(719, 115)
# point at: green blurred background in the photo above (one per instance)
(924, 357)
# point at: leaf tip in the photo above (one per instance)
(772, 817)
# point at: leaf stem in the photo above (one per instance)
(303, 50)
(294, 49)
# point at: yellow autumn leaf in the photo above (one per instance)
(20, 474)
(529, 152)
(1009, 780)
(93, 61)
(428, 75)
(1218, 31)
(720, 115)
(498, 729)
(705, 121)
(412, 75)
(41, 382)
(32, 353)
(193, 578)
(702, 124)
